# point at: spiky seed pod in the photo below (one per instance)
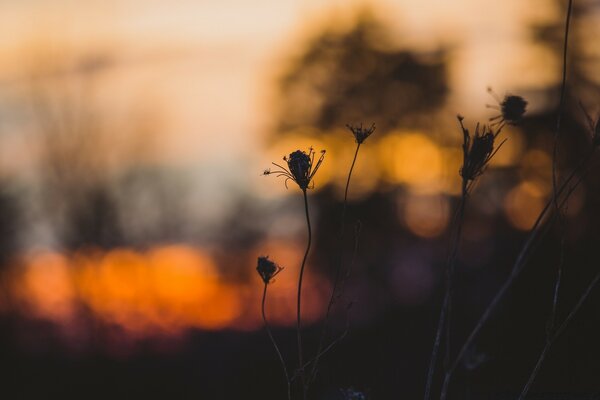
(360, 133)
(267, 269)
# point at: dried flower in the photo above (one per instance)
(301, 167)
(477, 151)
(267, 269)
(512, 108)
(360, 133)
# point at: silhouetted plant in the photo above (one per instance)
(267, 270)
(360, 135)
(301, 168)
(478, 150)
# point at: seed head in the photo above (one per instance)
(301, 167)
(478, 150)
(267, 269)
(511, 107)
(360, 133)
(299, 164)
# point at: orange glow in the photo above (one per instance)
(412, 159)
(523, 204)
(426, 216)
(164, 290)
(511, 150)
(536, 166)
(45, 286)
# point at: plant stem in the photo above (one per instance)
(536, 232)
(339, 265)
(556, 334)
(268, 329)
(561, 104)
(446, 305)
(299, 300)
(563, 87)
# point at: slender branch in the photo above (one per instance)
(556, 334)
(299, 300)
(268, 329)
(537, 231)
(339, 266)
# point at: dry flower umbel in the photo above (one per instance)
(360, 133)
(267, 269)
(301, 167)
(478, 150)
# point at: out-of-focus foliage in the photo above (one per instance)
(360, 74)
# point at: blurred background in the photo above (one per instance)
(133, 136)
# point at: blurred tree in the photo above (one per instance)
(359, 74)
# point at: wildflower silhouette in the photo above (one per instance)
(301, 168)
(267, 270)
(478, 150)
(360, 133)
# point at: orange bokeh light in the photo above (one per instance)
(164, 290)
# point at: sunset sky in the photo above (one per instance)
(209, 65)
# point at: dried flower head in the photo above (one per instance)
(267, 269)
(360, 133)
(478, 150)
(301, 167)
(511, 107)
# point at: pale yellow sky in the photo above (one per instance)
(209, 64)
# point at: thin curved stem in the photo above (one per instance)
(537, 231)
(339, 266)
(299, 299)
(556, 334)
(268, 329)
